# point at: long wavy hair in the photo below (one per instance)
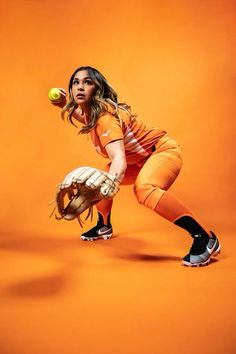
(104, 100)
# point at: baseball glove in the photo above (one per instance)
(81, 189)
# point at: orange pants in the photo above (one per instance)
(152, 179)
(158, 172)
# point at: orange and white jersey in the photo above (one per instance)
(137, 136)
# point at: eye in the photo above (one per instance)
(88, 81)
(75, 82)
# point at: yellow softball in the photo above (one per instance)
(54, 94)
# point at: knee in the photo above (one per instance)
(141, 191)
(148, 194)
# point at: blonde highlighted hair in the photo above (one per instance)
(104, 100)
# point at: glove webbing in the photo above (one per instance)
(81, 222)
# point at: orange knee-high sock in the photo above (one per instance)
(104, 209)
(175, 211)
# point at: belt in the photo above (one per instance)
(153, 148)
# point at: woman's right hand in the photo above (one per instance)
(61, 102)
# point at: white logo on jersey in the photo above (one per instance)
(106, 133)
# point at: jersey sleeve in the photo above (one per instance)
(108, 129)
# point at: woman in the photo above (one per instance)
(144, 156)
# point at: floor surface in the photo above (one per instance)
(126, 295)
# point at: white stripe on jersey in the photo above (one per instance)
(131, 143)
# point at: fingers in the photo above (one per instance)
(63, 91)
(61, 100)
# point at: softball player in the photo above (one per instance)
(146, 157)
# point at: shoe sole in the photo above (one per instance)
(104, 237)
(202, 264)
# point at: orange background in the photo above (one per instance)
(174, 62)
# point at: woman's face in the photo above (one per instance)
(83, 88)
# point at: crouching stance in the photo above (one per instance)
(140, 155)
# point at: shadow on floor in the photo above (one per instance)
(151, 258)
(39, 287)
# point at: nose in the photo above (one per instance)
(80, 87)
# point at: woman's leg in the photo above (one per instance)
(152, 183)
(155, 178)
(103, 229)
(104, 211)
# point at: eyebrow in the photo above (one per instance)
(87, 77)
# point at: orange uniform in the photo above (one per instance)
(138, 137)
(154, 159)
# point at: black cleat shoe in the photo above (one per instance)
(202, 249)
(97, 232)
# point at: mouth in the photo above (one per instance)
(80, 96)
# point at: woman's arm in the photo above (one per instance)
(61, 102)
(116, 152)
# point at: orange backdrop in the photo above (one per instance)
(172, 61)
